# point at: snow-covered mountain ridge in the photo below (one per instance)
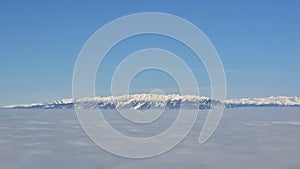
(145, 101)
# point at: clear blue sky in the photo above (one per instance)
(258, 42)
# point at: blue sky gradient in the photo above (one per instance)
(258, 43)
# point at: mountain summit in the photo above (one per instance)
(147, 101)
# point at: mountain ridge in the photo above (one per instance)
(147, 101)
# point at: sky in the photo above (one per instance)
(257, 41)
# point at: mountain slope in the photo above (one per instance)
(277, 101)
(146, 101)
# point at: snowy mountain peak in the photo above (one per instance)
(270, 101)
(173, 101)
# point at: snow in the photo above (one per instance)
(279, 100)
(146, 101)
